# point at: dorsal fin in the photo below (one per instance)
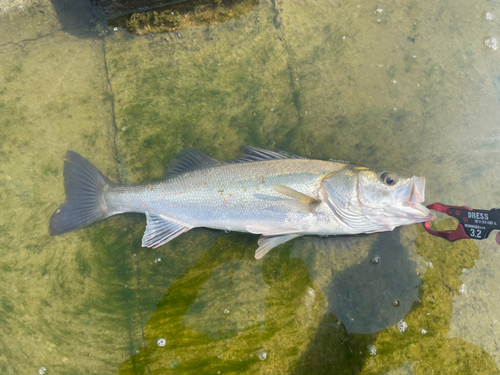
(189, 160)
(260, 154)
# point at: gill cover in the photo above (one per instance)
(340, 193)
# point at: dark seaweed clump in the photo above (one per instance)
(174, 17)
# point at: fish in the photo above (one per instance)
(272, 193)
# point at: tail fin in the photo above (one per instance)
(84, 185)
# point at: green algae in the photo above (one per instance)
(234, 350)
(285, 332)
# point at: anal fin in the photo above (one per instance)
(160, 230)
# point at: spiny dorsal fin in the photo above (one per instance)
(302, 202)
(192, 159)
(261, 154)
(189, 160)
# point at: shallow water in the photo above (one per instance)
(406, 85)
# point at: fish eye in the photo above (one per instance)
(388, 178)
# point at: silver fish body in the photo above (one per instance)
(271, 193)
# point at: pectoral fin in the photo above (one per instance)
(160, 230)
(266, 243)
(301, 201)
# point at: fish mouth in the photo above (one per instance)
(423, 212)
(411, 196)
(409, 213)
(418, 191)
(413, 192)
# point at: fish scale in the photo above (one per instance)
(227, 196)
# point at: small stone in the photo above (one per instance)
(372, 350)
(491, 43)
(462, 289)
(402, 325)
